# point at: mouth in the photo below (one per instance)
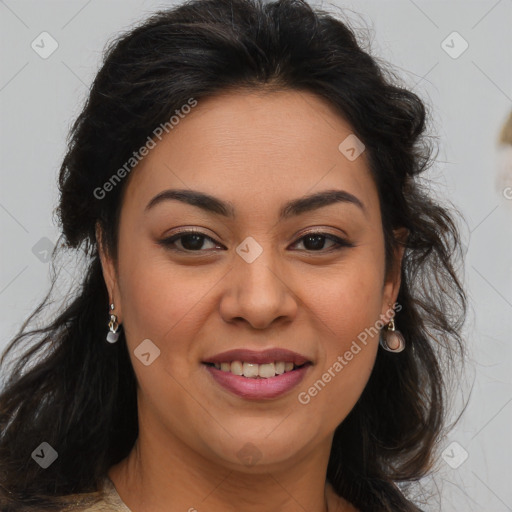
(252, 370)
(254, 375)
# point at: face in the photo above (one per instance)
(266, 269)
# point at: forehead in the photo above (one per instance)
(254, 148)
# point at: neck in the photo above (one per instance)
(162, 474)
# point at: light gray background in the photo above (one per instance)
(471, 96)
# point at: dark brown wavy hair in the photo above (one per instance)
(71, 389)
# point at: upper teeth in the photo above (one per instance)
(254, 370)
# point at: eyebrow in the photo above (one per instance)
(226, 209)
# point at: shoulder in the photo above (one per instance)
(106, 499)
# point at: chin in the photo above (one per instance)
(259, 453)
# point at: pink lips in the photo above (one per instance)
(258, 388)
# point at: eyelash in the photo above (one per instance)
(341, 243)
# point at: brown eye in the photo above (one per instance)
(190, 241)
(315, 242)
(193, 241)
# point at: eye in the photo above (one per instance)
(315, 240)
(193, 241)
(190, 241)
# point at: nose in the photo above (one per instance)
(259, 293)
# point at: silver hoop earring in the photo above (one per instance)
(113, 325)
(391, 339)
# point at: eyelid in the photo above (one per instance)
(340, 242)
(168, 242)
(320, 231)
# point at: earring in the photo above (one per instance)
(113, 325)
(391, 339)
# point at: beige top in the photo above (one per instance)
(112, 502)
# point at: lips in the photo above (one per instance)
(258, 389)
(261, 357)
(257, 375)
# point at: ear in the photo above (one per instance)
(109, 273)
(393, 278)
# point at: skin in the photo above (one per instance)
(257, 150)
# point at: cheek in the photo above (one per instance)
(349, 298)
(152, 302)
(349, 307)
(158, 308)
(164, 303)
(351, 317)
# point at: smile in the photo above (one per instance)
(255, 371)
(257, 381)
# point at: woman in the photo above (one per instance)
(270, 296)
